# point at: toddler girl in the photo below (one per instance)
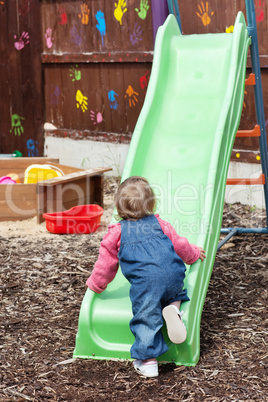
(151, 256)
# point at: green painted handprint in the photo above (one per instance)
(16, 126)
(144, 7)
(75, 74)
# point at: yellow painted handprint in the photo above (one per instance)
(203, 13)
(132, 98)
(229, 29)
(81, 101)
(84, 14)
(120, 9)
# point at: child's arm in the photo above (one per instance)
(106, 266)
(188, 252)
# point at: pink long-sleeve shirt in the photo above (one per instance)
(106, 266)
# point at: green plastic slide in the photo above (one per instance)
(182, 144)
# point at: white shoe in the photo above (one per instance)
(175, 327)
(146, 369)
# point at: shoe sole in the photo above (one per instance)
(137, 364)
(145, 375)
(175, 328)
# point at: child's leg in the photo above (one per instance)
(175, 327)
(146, 325)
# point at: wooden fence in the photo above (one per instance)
(84, 67)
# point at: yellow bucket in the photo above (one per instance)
(35, 173)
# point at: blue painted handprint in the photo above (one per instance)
(112, 99)
(31, 146)
(101, 25)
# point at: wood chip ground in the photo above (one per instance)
(42, 283)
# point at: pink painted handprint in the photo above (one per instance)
(48, 37)
(96, 117)
(22, 41)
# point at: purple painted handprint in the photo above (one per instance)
(54, 97)
(135, 36)
(22, 41)
(75, 36)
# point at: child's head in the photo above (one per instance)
(135, 198)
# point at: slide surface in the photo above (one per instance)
(182, 144)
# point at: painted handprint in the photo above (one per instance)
(48, 37)
(63, 15)
(22, 41)
(204, 14)
(16, 126)
(144, 7)
(54, 97)
(81, 101)
(132, 98)
(112, 100)
(135, 36)
(96, 117)
(229, 29)
(120, 9)
(31, 146)
(84, 16)
(74, 73)
(101, 25)
(144, 79)
(25, 7)
(76, 37)
(259, 9)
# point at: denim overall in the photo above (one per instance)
(156, 273)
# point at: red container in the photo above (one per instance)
(80, 220)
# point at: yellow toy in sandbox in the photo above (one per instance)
(35, 173)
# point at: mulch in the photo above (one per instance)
(42, 283)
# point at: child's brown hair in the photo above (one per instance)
(134, 198)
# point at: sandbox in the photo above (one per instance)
(22, 201)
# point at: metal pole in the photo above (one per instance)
(255, 60)
(173, 7)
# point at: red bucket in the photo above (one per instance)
(81, 219)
